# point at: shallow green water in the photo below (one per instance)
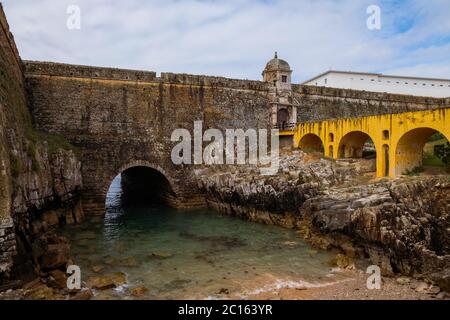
(193, 253)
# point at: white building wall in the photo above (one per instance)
(381, 83)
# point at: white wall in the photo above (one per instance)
(390, 84)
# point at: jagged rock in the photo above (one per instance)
(42, 292)
(442, 279)
(101, 283)
(139, 291)
(57, 279)
(403, 280)
(434, 290)
(83, 294)
(422, 287)
(402, 225)
(51, 218)
(342, 261)
(443, 295)
(108, 281)
(57, 254)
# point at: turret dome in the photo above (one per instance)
(277, 65)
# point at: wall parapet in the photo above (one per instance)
(78, 71)
(367, 95)
(37, 68)
(212, 81)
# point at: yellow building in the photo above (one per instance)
(398, 138)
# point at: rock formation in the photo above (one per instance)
(40, 178)
(401, 225)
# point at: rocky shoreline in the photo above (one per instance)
(400, 225)
(403, 226)
(354, 288)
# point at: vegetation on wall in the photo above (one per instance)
(442, 151)
(16, 166)
(55, 142)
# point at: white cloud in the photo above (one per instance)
(235, 38)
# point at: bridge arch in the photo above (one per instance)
(409, 148)
(311, 142)
(141, 178)
(352, 144)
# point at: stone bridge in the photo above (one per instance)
(398, 138)
(123, 119)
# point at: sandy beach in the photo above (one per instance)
(355, 288)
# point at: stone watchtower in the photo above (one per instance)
(277, 74)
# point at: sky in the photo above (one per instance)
(235, 38)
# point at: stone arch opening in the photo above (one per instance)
(311, 143)
(418, 149)
(356, 144)
(140, 184)
(282, 118)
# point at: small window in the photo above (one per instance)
(331, 137)
(274, 82)
(284, 79)
(326, 81)
(385, 134)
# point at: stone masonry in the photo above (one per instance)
(120, 117)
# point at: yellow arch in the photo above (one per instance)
(352, 143)
(384, 130)
(311, 141)
(409, 148)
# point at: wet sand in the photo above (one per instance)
(355, 288)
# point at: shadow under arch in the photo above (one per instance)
(352, 144)
(311, 142)
(141, 182)
(409, 149)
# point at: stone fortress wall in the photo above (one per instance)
(118, 117)
(36, 173)
(322, 103)
(10, 67)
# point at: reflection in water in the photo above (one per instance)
(192, 253)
